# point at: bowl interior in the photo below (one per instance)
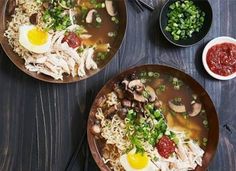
(205, 6)
(7, 6)
(213, 133)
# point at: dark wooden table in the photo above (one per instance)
(41, 124)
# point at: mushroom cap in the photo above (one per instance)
(158, 104)
(152, 93)
(196, 109)
(96, 129)
(136, 84)
(177, 108)
(110, 8)
(125, 83)
(34, 19)
(126, 103)
(139, 97)
(89, 17)
(122, 112)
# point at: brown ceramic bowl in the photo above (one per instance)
(6, 7)
(213, 134)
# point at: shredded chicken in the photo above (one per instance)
(62, 59)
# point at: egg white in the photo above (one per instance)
(124, 162)
(25, 42)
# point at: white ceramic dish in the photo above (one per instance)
(213, 42)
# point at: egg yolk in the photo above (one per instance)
(37, 36)
(137, 160)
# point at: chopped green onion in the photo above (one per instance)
(112, 34)
(161, 88)
(150, 74)
(98, 20)
(143, 80)
(184, 19)
(205, 122)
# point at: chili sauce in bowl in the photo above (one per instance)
(219, 58)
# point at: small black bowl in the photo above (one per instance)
(203, 5)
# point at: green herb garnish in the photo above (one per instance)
(56, 19)
(146, 129)
(101, 56)
(148, 76)
(176, 83)
(184, 19)
(161, 89)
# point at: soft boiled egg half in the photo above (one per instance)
(34, 39)
(137, 162)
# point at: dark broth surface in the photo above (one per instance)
(193, 126)
(100, 32)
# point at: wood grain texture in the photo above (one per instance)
(41, 123)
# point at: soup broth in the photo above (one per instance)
(153, 114)
(103, 32)
(196, 127)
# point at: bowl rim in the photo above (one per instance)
(213, 42)
(49, 79)
(175, 43)
(90, 137)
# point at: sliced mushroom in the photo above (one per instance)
(34, 19)
(110, 8)
(196, 109)
(119, 92)
(126, 103)
(125, 83)
(136, 85)
(89, 18)
(158, 104)
(122, 113)
(177, 108)
(152, 93)
(96, 129)
(139, 97)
